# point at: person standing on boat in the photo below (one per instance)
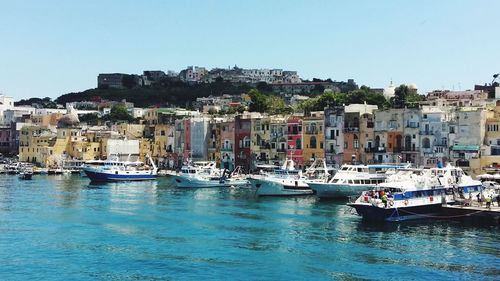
(498, 200)
(384, 200)
(488, 200)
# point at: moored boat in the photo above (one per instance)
(26, 172)
(116, 170)
(351, 180)
(283, 182)
(206, 175)
(414, 194)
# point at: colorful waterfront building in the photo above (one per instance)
(214, 140)
(334, 134)
(199, 138)
(313, 137)
(278, 139)
(163, 145)
(490, 152)
(357, 117)
(227, 145)
(9, 140)
(411, 143)
(242, 140)
(366, 136)
(295, 140)
(261, 139)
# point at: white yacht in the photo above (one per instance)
(206, 175)
(263, 171)
(283, 182)
(352, 180)
(414, 194)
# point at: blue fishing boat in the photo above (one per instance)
(116, 170)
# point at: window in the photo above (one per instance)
(426, 143)
(298, 144)
(312, 142)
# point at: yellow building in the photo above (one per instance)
(313, 137)
(46, 120)
(260, 147)
(163, 145)
(131, 131)
(34, 143)
(145, 148)
(48, 148)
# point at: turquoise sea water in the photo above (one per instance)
(63, 228)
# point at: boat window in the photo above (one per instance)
(345, 168)
(360, 170)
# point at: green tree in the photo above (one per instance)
(120, 113)
(89, 118)
(356, 96)
(259, 101)
(404, 95)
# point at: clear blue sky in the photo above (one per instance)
(48, 48)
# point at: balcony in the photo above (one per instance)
(409, 149)
(266, 146)
(426, 133)
(369, 149)
(380, 149)
(351, 130)
(330, 138)
(331, 151)
(281, 150)
(427, 150)
(311, 132)
(411, 125)
(227, 148)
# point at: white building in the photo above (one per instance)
(199, 138)
(122, 148)
(11, 115)
(6, 103)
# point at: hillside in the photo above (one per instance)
(166, 91)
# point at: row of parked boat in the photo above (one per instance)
(376, 192)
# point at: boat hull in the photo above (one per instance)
(267, 187)
(376, 213)
(26, 176)
(99, 176)
(198, 182)
(329, 190)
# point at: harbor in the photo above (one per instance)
(64, 226)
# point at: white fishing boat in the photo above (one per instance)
(414, 193)
(116, 170)
(351, 180)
